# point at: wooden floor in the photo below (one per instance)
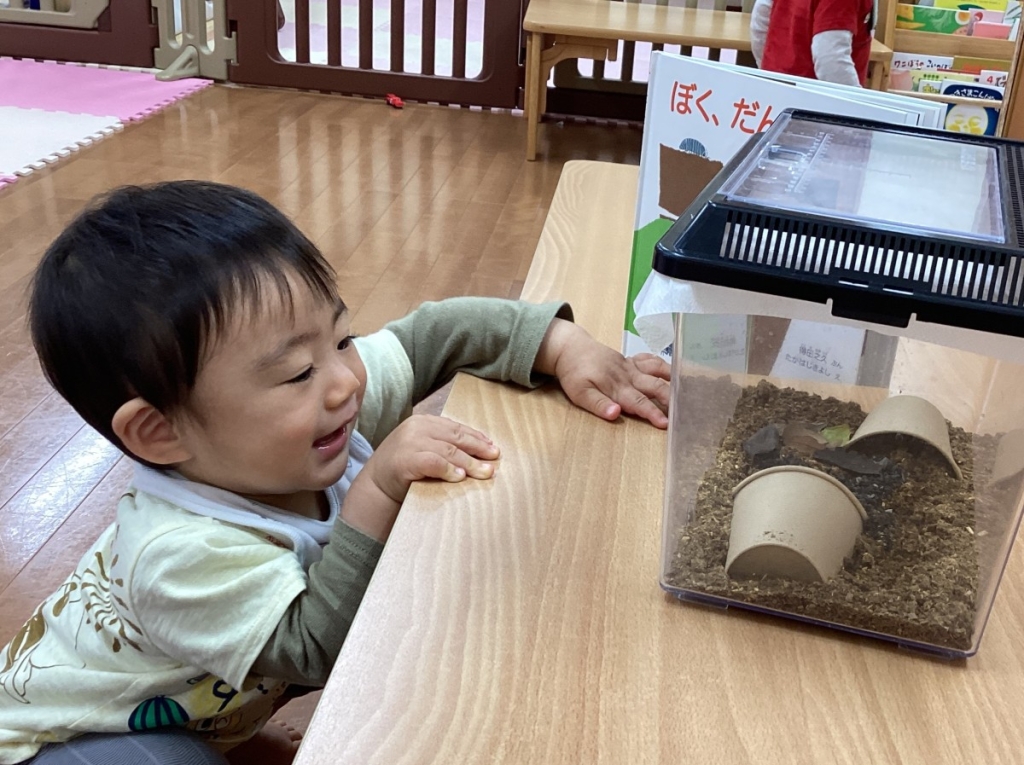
(411, 205)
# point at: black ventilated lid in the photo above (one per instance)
(885, 221)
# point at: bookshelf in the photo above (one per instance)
(947, 45)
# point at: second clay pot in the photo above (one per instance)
(792, 522)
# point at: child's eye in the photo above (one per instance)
(305, 375)
(344, 344)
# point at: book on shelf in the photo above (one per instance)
(974, 65)
(972, 22)
(993, 77)
(972, 118)
(907, 61)
(989, 5)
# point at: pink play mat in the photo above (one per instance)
(51, 110)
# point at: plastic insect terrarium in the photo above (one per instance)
(847, 435)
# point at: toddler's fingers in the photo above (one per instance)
(595, 402)
(463, 461)
(636, 403)
(468, 439)
(653, 365)
(657, 389)
(431, 464)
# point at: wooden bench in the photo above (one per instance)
(557, 30)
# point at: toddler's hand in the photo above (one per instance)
(421, 447)
(603, 381)
(425, 446)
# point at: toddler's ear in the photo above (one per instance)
(148, 434)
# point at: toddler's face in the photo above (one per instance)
(276, 400)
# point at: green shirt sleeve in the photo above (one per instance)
(485, 337)
(307, 640)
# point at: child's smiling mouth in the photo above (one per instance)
(331, 445)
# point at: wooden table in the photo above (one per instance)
(520, 620)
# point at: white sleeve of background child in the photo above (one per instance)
(833, 57)
(760, 14)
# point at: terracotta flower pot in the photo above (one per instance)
(909, 416)
(792, 522)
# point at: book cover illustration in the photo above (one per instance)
(972, 118)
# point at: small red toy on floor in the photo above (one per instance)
(393, 101)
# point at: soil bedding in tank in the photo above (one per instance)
(914, 571)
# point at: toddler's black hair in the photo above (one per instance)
(128, 298)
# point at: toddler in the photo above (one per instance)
(201, 333)
(825, 39)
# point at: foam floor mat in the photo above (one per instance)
(32, 138)
(50, 110)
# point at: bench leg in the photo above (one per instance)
(540, 59)
(542, 91)
(534, 43)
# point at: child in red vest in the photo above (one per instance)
(824, 39)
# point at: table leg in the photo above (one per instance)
(542, 90)
(534, 43)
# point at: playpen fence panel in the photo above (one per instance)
(116, 32)
(447, 51)
(78, 14)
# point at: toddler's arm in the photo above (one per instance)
(832, 52)
(307, 640)
(523, 343)
(486, 337)
(305, 644)
(834, 25)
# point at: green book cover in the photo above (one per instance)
(931, 82)
(920, 18)
(985, 5)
